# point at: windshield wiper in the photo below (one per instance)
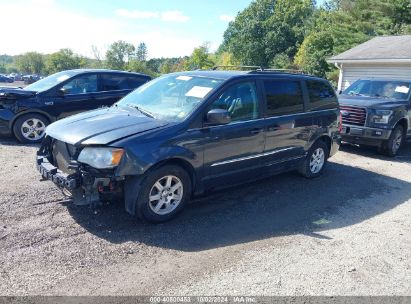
(145, 112)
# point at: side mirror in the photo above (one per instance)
(218, 117)
(62, 92)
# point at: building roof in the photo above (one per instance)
(378, 49)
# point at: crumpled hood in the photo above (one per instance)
(368, 102)
(15, 93)
(102, 126)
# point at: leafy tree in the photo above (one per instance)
(166, 67)
(118, 55)
(138, 66)
(142, 52)
(65, 59)
(345, 24)
(282, 61)
(30, 62)
(246, 36)
(267, 28)
(225, 59)
(200, 58)
(311, 56)
(287, 26)
(3, 68)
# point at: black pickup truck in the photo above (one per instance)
(376, 112)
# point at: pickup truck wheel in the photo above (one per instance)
(394, 143)
(315, 160)
(30, 128)
(163, 194)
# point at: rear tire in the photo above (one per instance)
(164, 193)
(30, 128)
(394, 143)
(315, 161)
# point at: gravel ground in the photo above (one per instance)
(345, 233)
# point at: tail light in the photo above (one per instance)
(340, 124)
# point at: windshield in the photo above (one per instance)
(171, 97)
(50, 81)
(396, 90)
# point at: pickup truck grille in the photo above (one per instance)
(353, 115)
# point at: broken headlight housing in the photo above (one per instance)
(101, 158)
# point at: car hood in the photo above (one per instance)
(15, 93)
(368, 102)
(102, 126)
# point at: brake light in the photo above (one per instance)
(340, 124)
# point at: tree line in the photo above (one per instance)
(298, 34)
(284, 34)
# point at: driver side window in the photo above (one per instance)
(81, 85)
(240, 100)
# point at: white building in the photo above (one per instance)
(386, 57)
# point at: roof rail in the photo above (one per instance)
(258, 69)
(242, 67)
(282, 71)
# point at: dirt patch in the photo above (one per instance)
(346, 233)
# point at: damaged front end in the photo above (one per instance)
(57, 161)
(10, 104)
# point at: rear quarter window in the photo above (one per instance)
(283, 97)
(322, 96)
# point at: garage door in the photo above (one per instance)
(353, 73)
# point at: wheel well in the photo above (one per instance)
(327, 140)
(181, 163)
(404, 123)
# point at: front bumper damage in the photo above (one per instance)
(85, 188)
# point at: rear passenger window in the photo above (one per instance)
(283, 97)
(135, 82)
(322, 96)
(113, 83)
(120, 82)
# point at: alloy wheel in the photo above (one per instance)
(166, 194)
(33, 129)
(317, 160)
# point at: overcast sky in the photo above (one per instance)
(170, 28)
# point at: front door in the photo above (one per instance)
(232, 152)
(79, 96)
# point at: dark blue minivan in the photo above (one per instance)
(186, 133)
(25, 113)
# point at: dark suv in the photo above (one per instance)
(376, 112)
(25, 113)
(185, 133)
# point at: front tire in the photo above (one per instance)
(315, 161)
(394, 143)
(164, 192)
(30, 128)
